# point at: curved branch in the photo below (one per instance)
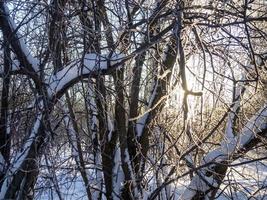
(90, 65)
(210, 177)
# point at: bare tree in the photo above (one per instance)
(138, 94)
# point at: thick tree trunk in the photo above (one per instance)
(132, 139)
(4, 135)
(23, 172)
(120, 128)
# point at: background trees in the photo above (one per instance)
(128, 98)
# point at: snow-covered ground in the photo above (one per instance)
(245, 181)
(248, 181)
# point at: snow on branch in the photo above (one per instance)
(238, 91)
(2, 163)
(91, 64)
(21, 158)
(207, 178)
(141, 122)
(17, 41)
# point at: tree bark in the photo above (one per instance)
(4, 134)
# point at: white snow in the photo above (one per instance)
(33, 61)
(253, 126)
(2, 163)
(110, 128)
(240, 183)
(72, 135)
(92, 104)
(24, 153)
(20, 158)
(118, 175)
(229, 135)
(256, 124)
(198, 183)
(90, 63)
(97, 173)
(141, 122)
(127, 160)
